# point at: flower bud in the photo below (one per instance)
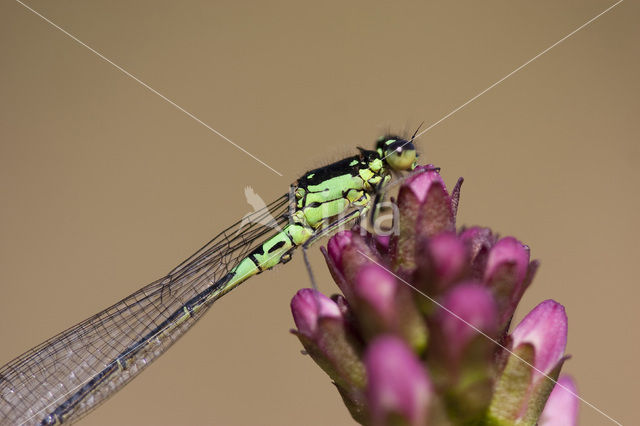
(436, 211)
(507, 252)
(336, 246)
(468, 307)
(479, 240)
(538, 345)
(322, 332)
(506, 273)
(425, 210)
(347, 253)
(459, 356)
(449, 255)
(383, 305)
(561, 408)
(376, 288)
(308, 307)
(399, 390)
(443, 260)
(545, 328)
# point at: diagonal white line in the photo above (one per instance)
(128, 74)
(518, 69)
(513, 72)
(476, 329)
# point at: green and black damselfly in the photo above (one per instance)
(65, 377)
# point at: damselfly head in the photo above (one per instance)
(400, 154)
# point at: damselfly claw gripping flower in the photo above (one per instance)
(420, 334)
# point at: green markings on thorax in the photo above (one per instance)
(329, 191)
(321, 195)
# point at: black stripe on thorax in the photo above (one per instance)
(349, 165)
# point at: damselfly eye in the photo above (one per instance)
(400, 154)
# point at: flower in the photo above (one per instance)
(309, 307)
(323, 332)
(420, 334)
(506, 272)
(376, 288)
(448, 255)
(399, 389)
(561, 408)
(468, 309)
(536, 355)
(545, 329)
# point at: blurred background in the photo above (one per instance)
(104, 186)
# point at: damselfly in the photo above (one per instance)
(65, 377)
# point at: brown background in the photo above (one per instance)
(105, 186)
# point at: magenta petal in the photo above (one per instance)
(336, 246)
(308, 306)
(464, 307)
(398, 384)
(421, 181)
(478, 237)
(561, 408)
(382, 241)
(508, 250)
(545, 327)
(376, 286)
(449, 256)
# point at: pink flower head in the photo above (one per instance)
(427, 304)
(398, 383)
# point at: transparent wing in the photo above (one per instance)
(68, 375)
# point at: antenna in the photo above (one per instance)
(416, 132)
